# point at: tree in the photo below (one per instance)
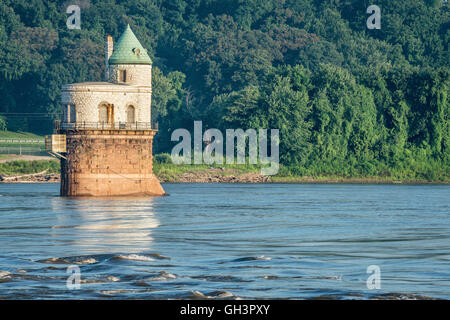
(2, 123)
(288, 109)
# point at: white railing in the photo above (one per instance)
(22, 141)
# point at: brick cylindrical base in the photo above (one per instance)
(109, 163)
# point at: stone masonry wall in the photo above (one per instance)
(137, 74)
(88, 97)
(109, 163)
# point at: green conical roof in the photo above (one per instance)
(128, 50)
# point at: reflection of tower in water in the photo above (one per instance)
(104, 225)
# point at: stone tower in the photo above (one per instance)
(107, 125)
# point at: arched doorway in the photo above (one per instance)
(103, 113)
(131, 114)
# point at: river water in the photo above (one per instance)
(249, 241)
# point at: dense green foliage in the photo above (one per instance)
(347, 100)
(19, 167)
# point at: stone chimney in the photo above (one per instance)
(109, 45)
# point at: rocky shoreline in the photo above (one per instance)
(215, 176)
(212, 176)
(189, 177)
(49, 178)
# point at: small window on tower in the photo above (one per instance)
(72, 113)
(123, 75)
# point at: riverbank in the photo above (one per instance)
(232, 175)
(10, 158)
(29, 169)
(201, 174)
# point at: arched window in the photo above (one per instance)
(131, 117)
(103, 113)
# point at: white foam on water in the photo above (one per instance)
(225, 294)
(53, 260)
(4, 274)
(69, 260)
(112, 278)
(86, 261)
(135, 257)
(198, 294)
(270, 277)
(168, 275)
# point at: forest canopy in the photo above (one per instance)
(347, 100)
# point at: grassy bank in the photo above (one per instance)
(19, 167)
(4, 134)
(25, 143)
(431, 171)
(410, 170)
(172, 172)
(169, 172)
